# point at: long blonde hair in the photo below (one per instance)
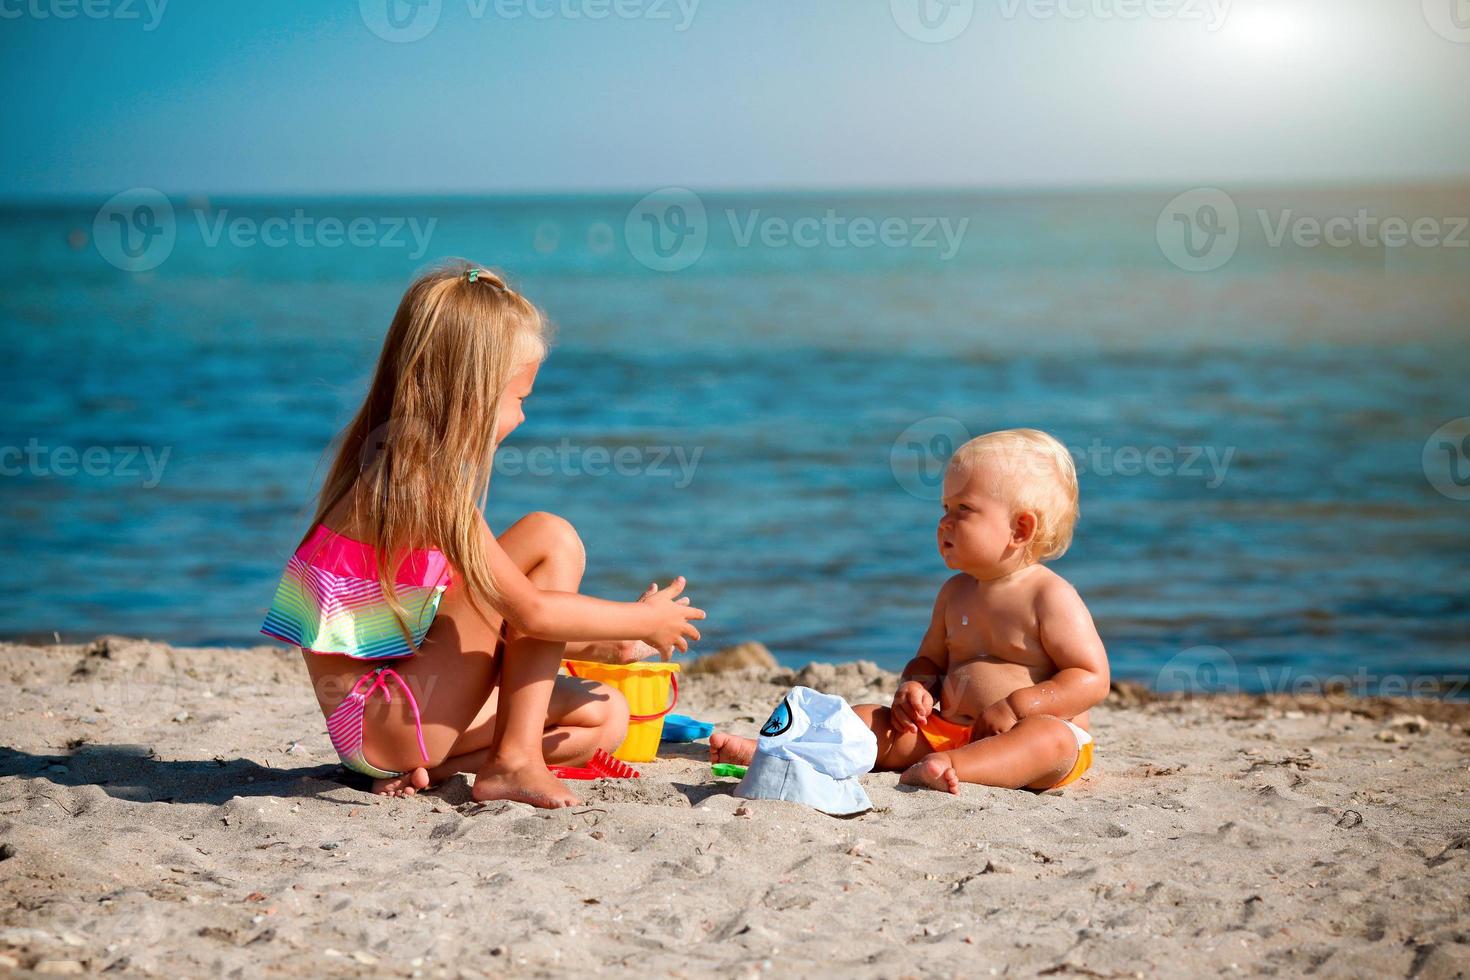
(418, 456)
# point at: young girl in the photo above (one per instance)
(400, 588)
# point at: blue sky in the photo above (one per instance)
(302, 96)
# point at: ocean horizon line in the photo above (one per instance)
(1122, 189)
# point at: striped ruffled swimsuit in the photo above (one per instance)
(329, 602)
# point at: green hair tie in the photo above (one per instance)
(474, 274)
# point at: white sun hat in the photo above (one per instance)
(811, 750)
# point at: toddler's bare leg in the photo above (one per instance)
(1035, 754)
(735, 749)
(896, 749)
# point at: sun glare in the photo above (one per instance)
(1270, 26)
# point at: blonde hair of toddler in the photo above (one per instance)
(1036, 473)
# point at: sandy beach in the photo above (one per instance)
(179, 811)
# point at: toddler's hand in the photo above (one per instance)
(997, 719)
(674, 629)
(911, 706)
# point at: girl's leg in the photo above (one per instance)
(515, 767)
(454, 677)
(1035, 754)
(584, 716)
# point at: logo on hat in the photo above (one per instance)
(779, 721)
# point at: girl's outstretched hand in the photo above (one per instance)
(673, 626)
(635, 651)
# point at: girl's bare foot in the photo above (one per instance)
(529, 783)
(935, 772)
(406, 785)
(731, 748)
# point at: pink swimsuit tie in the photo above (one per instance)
(344, 726)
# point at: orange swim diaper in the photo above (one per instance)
(1084, 755)
(944, 735)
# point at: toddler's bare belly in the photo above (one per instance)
(975, 685)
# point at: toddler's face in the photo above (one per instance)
(512, 403)
(977, 528)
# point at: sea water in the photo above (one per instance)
(763, 403)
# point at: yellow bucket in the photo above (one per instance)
(652, 691)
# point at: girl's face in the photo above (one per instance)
(978, 531)
(512, 402)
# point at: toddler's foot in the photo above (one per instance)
(935, 772)
(731, 748)
(406, 785)
(529, 783)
